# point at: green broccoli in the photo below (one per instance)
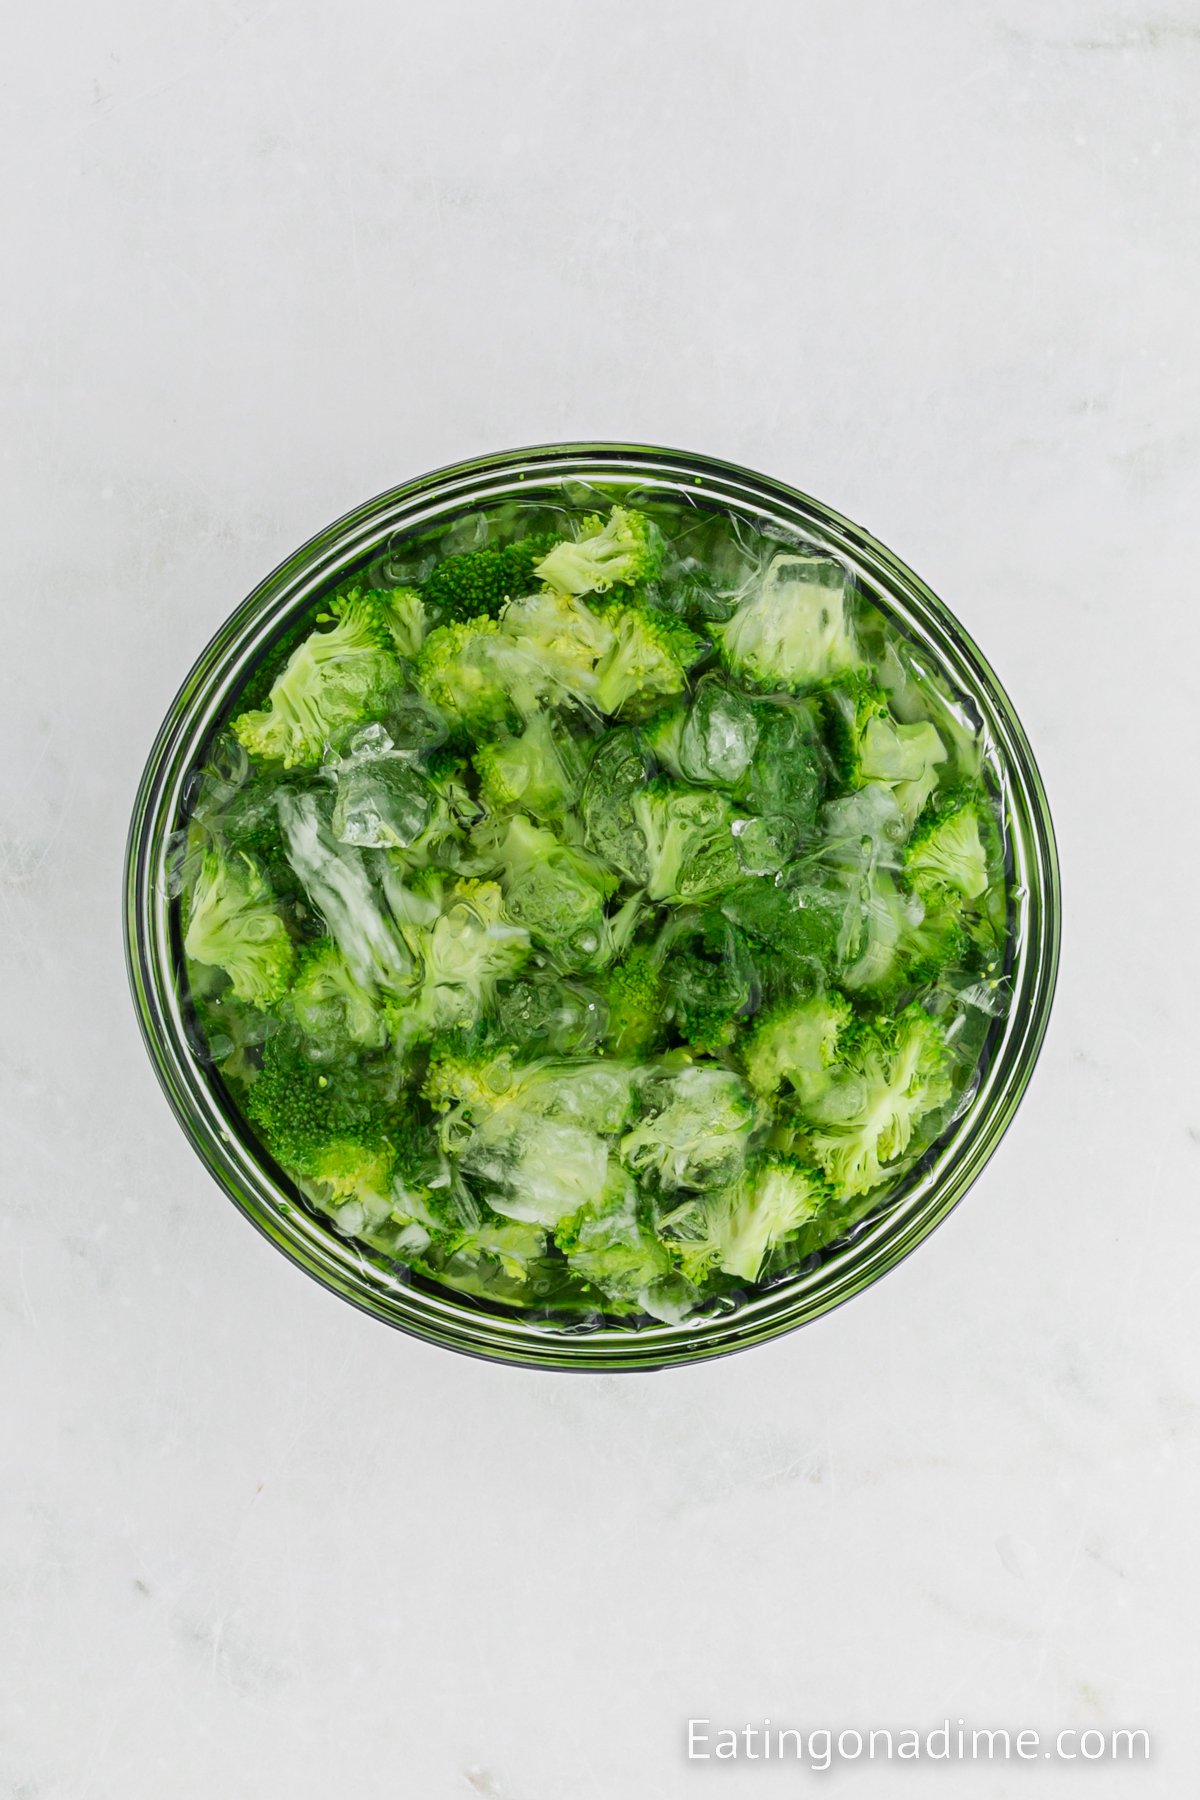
(734, 1228)
(948, 851)
(796, 1042)
(763, 752)
(539, 772)
(334, 680)
(323, 1123)
(332, 1010)
(458, 672)
(479, 583)
(233, 925)
(612, 1247)
(869, 745)
(463, 943)
(648, 659)
(691, 849)
(557, 891)
(695, 1128)
(397, 615)
(550, 647)
(633, 998)
(626, 548)
(791, 628)
(708, 979)
(892, 1076)
(533, 1141)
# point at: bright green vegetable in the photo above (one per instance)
(233, 925)
(602, 922)
(624, 548)
(334, 680)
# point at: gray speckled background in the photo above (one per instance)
(935, 263)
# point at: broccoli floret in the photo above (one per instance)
(709, 980)
(869, 745)
(662, 737)
(481, 582)
(892, 1076)
(550, 648)
(458, 672)
(463, 943)
(736, 1227)
(539, 772)
(790, 629)
(397, 615)
(323, 1124)
(611, 1246)
(691, 850)
(633, 997)
(331, 1009)
(695, 1127)
(336, 880)
(555, 890)
(507, 1244)
(796, 1042)
(625, 548)
(534, 1141)
(544, 648)
(232, 925)
(649, 658)
(948, 850)
(334, 680)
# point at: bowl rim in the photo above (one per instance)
(421, 1308)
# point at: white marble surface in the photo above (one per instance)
(937, 264)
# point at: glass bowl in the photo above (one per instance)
(411, 1302)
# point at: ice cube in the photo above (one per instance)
(380, 805)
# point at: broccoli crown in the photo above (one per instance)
(893, 1075)
(333, 681)
(648, 659)
(463, 943)
(396, 616)
(625, 548)
(538, 772)
(791, 629)
(796, 1041)
(850, 706)
(324, 1123)
(948, 850)
(458, 672)
(479, 583)
(331, 1009)
(556, 891)
(233, 925)
(633, 996)
(734, 1228)
(709, 980)
(691, 849)
(612, 1246)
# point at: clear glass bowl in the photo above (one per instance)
(414, 1304)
